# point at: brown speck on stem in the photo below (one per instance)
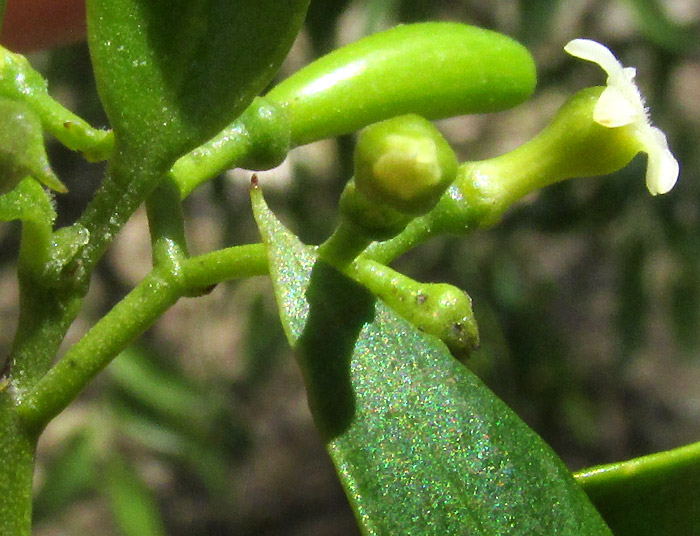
(254, 181)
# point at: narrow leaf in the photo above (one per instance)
(420, 444)
(133, 505)
(648, 496)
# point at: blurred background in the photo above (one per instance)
(587, 296)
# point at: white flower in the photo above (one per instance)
(622, 104)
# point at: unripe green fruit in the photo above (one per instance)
(434, 69)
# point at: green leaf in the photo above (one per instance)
(70, 475)
(420, 444)
(132, 503)
(658, 494)
(171, 74)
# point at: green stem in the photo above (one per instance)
(207, 161)
(167, 225)
(16, 469)
(126, 321)
(42, 325)
(225, 264)
(415, 233)
(344, 245)
(47, 309)
(129, 182)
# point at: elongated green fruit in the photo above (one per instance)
(434, 69)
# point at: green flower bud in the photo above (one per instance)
(404, 163)
(402, 167)
(434, 69)
(22, 151)
(439, 309)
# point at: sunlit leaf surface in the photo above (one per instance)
(420, 444)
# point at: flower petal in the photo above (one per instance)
(590, 50)
(662, 168)
(614, 109)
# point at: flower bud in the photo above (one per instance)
(404, 163)
(402, 167)
(439, 309)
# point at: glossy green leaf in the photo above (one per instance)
(171, 74)
(655, 495)
(420, 444)
(433, 69)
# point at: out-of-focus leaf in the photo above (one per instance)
(660, 29)
(69, 475)
(634, 305)
(537, 17)
(685, 306)
(655, 495)
(133, 505)
(420, 444)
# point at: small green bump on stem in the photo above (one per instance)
(259, 139)
(267, 126)
(440, 309)
(66, 243)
